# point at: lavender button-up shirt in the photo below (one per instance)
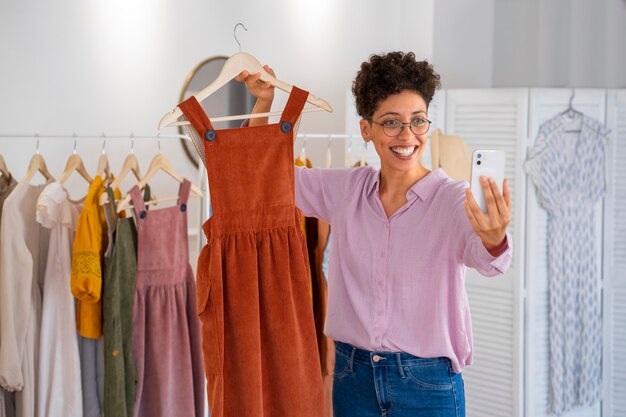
(398, 284)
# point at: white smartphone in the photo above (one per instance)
(486, 163)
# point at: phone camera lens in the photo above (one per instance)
(477, 162)
(478, 156)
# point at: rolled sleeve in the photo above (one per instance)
(477, 257)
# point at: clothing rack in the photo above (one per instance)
(104, 136)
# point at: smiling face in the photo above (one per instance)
(399, 153)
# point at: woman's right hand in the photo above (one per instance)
(262, 90)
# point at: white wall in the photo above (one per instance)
(568, 43)
(530, 43)
(464, 42)
(117, 66)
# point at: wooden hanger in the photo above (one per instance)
(158, 163)
(75, 164)
(37, 164)
(233, 66)
(3, 167)
(103, 164)
(130, 165)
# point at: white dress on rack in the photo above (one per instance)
(59, 379)
(568, 170)
(23, 255)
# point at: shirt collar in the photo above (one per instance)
(422, 188)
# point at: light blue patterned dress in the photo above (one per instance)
(568, 170)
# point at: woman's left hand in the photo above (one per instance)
(490, 226)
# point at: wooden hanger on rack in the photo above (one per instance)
(4, 170)
(103, 163)
(158, 163)
(75, 164)
(37, 164)
(233, 66)
(131, 164)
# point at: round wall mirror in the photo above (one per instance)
(233, 98)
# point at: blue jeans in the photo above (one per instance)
(368, 384)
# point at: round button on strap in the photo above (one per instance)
(286, 127)
(210, 135)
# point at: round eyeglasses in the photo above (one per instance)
(393, 127)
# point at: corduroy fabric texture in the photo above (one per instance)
(254, 300)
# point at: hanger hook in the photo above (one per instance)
(235, 34)
(132, 142)
(37, 146)
(104, 142)
(74, 143)
(572, 97)
(159, 141)
(304, 143)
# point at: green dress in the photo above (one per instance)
(118, 288)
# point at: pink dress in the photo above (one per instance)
(166, 330)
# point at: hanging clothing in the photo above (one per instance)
(450, 153)
(118, 290)
(325, 344)
(86, 285)
(91, 354)
(568, 170)
(254, 299)
(7, 403)
(59, 390)
(316, 233)
(7, 184)
(166, 331)
(86, 280)
(23, 257)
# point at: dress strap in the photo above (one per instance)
(196, 115)
(112, 203)
(138, 206)
(294, 106)
(110, 213)
(184, 194)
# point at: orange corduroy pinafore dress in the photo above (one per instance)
(254, 302)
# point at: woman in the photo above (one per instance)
(402, 239)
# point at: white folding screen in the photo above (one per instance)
(614, 404)
(495, 119)
(545, 104)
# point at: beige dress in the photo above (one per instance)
(7, 408)
(23, 255)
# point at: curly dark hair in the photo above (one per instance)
(392, 73)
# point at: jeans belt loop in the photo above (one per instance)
(400, 368)
(351, 361)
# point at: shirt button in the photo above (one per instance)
(115, 353)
